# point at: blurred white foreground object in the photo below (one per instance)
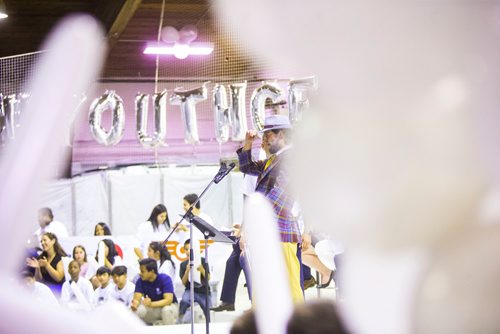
(400, 133)
(271, 291)
(460, 290)
(74, 56)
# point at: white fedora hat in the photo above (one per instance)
(276, 122)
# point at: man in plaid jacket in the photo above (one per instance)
(273, 183)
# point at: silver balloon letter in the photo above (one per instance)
(187, 101)
(3, 120)
(297, 97)
(12, 113)
(221, 114)
(109, 100)
(160, 115)
(238, 111)
(258, 103)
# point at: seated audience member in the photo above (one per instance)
(111, 257)
(102, 229)
(189, 200)
(77, 293)
(245, 324)
(199, 289)
(159, 252)
(318, 316)
(88, 266)
(123, 290)
(154, 299)
(48, 224)
(311, 260)
(49, 267)
(103, 292)
(38, 291)
(156, 228)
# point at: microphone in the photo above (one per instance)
(223, 171)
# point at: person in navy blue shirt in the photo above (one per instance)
(154, 299)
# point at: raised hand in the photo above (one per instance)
(32, 262)
(249, 138)
(134, 304)
(43, 262)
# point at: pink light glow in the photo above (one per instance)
(179, 51)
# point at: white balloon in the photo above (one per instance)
(221, 114)
(169, 34)
(188, 34)
(160, 116)
(187, 100)
(109, 100)
(238, 111)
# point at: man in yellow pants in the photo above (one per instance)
(273, 182)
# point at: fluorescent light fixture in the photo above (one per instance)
(3, 11)
(180, 51)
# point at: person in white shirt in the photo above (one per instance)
(159, 252)
(187, 202)
(39, 291)
(103, 293)
(156, 228)
(109, 256)
(77, 293)
(88, 265)
(123, 290)
(48, 224)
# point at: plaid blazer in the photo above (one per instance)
(273, 183)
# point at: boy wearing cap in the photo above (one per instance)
(272, 182)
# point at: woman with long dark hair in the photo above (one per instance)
(159, 252)
(156, 228)
(111, 257)
(101, 229)
(49, 267)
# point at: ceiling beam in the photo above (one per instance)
(122, 19)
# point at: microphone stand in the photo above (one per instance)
(189, 216)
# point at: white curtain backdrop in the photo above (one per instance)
(124, 198)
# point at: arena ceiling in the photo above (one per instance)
(129, 25)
